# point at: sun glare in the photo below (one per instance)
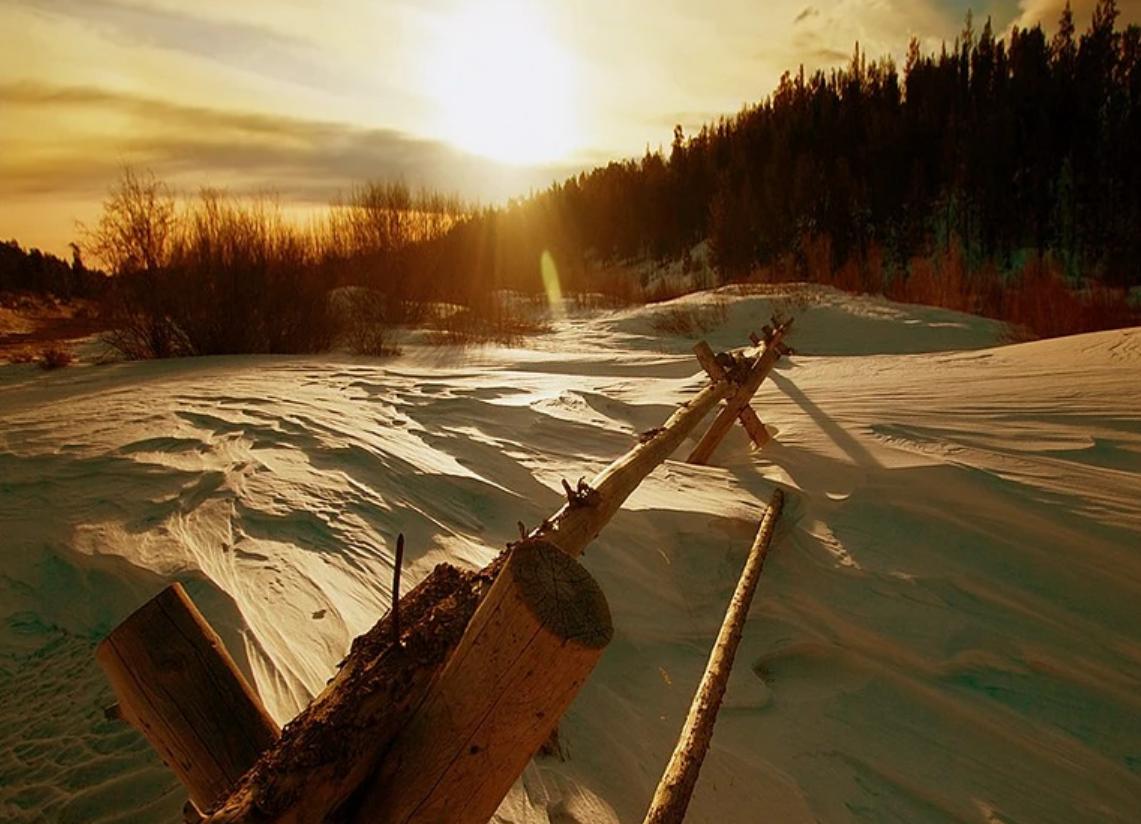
(503, 85)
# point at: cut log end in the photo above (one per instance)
(525, 655)
(561, 594)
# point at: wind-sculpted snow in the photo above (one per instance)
(946, 629)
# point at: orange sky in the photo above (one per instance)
(488, 99)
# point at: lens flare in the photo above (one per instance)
(550, 273)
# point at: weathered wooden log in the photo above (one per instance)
(177, 684)
(528, 650)
(770, 354)
(757, 432)
(680, 777)
(708, 361)
(328, 751)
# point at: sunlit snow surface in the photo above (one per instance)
(947, 628)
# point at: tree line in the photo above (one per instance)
(1006, 157)
(31, 270)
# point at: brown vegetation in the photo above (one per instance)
(1036, 298)
(55, 357)
(497, 318)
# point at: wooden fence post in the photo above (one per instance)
(528, 650)
(748, 418)
(770, 354)
(177, 684)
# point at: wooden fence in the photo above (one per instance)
(437, 709)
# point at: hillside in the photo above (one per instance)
(945, 630)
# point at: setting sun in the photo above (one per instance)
(503, 87)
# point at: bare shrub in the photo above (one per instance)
(665, 289)
(493, 318)
(244, 280)
(136, 230)
(21, 356)
(384, 216)
(55, 357)
(365, 325)
(613, 286)
(221, 277)
(1041, 301)
(134, 239)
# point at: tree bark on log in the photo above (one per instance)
(680, 777)
(336, 743)
(528, 650)
(177, 684)
(721, 425)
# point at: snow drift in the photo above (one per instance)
(946, 629)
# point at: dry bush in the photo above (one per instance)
(664, 289)
(1041, 301)
(691, 320)
(379, 218)
(222, 277)
(792, 302)
(134, 239)
(817, 250)
(55, 357)
(612, 287)
(365, 325)
(1037, 300)
(244, 280)
(138, 309)
(494, 318)
(136, 229)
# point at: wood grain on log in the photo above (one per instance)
(680, 777)
(530, 647)
(177, 684)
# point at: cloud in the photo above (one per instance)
(255, 48)
(805, 13)
(300, 159)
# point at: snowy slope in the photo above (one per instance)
(946, 629)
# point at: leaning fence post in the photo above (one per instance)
(177, 684)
